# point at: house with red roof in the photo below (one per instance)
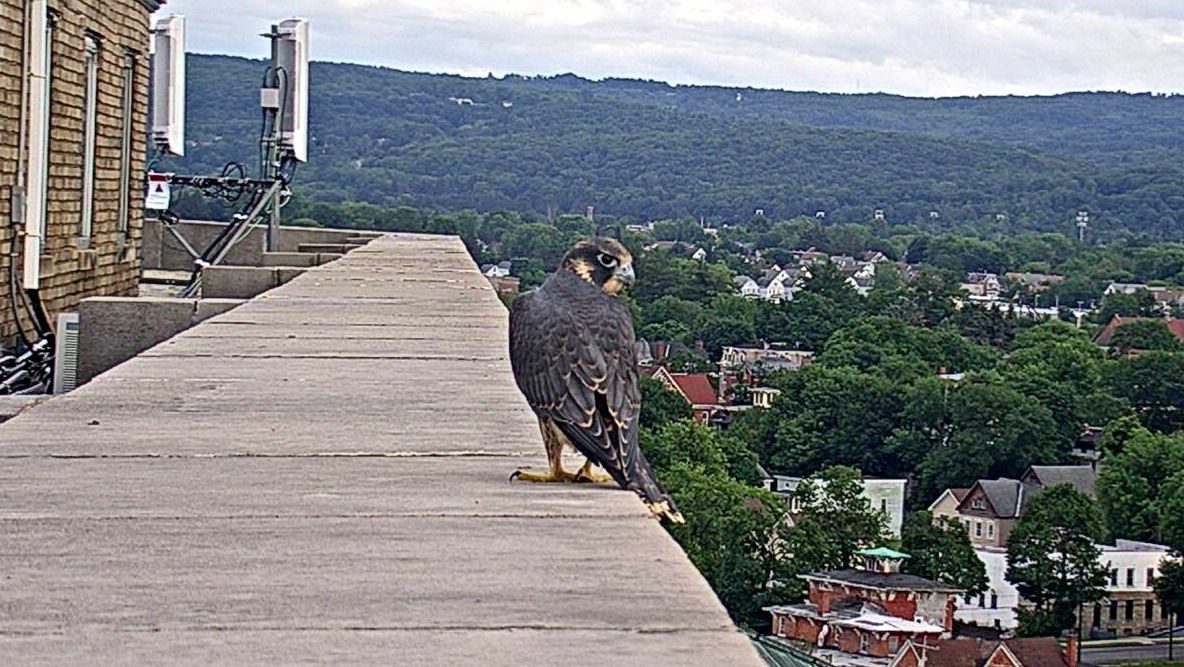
(1175, 325)
(696, 388)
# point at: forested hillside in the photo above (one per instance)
(645, 150)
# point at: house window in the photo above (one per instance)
(1163, 613)
(982, 601)
(1148, 610)
(994, 601)
(884, 505)
(1114, 610)
(1114, 577)
(89, 137)
(978, 504)
(991, 529)
(863, 642)
(1097, 615)
(1129, 612)
(1150, 577)
(126, 143)
(893, 644)
(978, 528)
(1130, 577)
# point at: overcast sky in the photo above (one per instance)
(909, 47)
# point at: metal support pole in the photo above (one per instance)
(246, 220)
(1080, 628)
(1172, 636)
(273, 222)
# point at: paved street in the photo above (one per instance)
(320, 477)
(1124, 655)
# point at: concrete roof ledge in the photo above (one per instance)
(320, 476)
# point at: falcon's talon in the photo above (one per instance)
(551, 476)
(587, 476)
(662, 509)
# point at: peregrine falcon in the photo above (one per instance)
(571, 348)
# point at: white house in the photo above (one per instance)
(1129, 288)
(886, 495)
(499, 270)
(996, 607)
(739, 358)
(1130, 606)
(748, 287)
(762, 397)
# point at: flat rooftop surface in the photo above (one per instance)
(320, 476)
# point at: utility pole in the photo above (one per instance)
(1082, 223)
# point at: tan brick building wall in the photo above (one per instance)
(108, 264)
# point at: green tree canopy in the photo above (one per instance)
(940, 549)
(1169, 586)
(898, 350)
(661, 405)
(836, 520)
(1144, 335)
(1137, 487)
(1052, 559)
(1153, 383)
(824, 417)
(978, 428)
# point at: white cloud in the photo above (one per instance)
(913, 47)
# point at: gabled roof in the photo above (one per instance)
(1036, 652)
(1005, 496)
(1175, 325)
(958, 495)
(945, 653)
(696, 388)
(1031, 652)
(1081, 478)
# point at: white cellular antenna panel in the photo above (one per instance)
(168, 85)
(291, 64)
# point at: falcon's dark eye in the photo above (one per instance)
(608, 261)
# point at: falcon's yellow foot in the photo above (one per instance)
(586, 474)
(554, 475)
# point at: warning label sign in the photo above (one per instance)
(158, 192)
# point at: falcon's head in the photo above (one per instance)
(601, 261)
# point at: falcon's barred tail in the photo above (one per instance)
(643, 481)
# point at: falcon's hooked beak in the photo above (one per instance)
(621, 277)
(624, 273)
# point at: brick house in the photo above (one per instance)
(871, 611)
(97, 128)
(1031, 652)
